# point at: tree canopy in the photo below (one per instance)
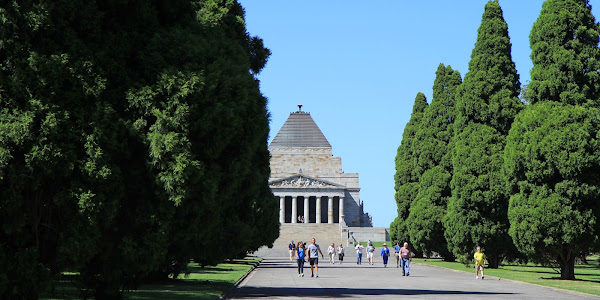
(407, 171)
(551, 156)
(487, 103)
(122, 156)
(434, 137)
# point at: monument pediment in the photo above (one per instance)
(303, 181)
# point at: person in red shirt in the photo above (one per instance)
(405, 258)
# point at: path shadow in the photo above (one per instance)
(262, 292)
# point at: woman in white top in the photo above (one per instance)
(331, 252)
(340, 251)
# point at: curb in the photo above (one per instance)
(521, 282)
(230, 290)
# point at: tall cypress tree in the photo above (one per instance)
(487, 103)
(434, 137)
(551, 160)
(407, 171)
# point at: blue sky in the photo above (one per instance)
(357, 66)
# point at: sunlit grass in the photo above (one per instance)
(588, 276)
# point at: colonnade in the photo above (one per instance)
(306, 205)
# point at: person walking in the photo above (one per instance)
(292, 248)
(385, 254)
(480, 260)
(359, 251)
(313, 258)
(370, 252)
(300, 255)
(405, 258)
(340, 251)
(331, 253)
(397, 253)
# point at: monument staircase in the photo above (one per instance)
(325, 234)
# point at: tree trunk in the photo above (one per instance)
(493, 261)
(567, 268)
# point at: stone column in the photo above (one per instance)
(318, 212)
(294, 209)
(306, 211)
(341, 210)
(330, 210)
(281, 210)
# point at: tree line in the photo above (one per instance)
(512, 168)
(133, 140)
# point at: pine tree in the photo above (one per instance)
(434, 139)
(407, 172)
(551, 160)
(487, 103)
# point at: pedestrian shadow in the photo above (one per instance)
(262, 292)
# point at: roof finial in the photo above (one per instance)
(299, 107)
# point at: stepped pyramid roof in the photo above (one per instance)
(300, 130)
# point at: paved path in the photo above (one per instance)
(277, 279)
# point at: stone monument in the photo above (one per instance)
(316, 197)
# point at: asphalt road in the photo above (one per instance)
(277, 278)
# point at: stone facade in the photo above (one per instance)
(308, 180)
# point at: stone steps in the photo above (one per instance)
(325, 234)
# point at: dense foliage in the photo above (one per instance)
(552, 156)
(122, 156)
(434, 138)
(487, 103)
(408, 172)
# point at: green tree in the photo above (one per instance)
(407, 172)
(553, 165)
(551, 156)
(487, 103)
(122, 156)
(565, 54)
(435, 142)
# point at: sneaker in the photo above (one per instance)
(476, 277)
(302, 275)
(312, 275)
(482, 277)
(316, 275)
(299, 275)
(407, 274)
(403, 274)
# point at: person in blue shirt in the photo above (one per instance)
(300, 254)
(385, 254)
(292, 248)
(397, 253)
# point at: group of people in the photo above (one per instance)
(301, 252)
(403, 256)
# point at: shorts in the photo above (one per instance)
(314, 261)
(341, 256)
(369, 255)
(478, 267)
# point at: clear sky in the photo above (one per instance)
(357, 66)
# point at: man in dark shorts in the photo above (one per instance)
(313, 258)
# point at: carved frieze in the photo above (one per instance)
(301, 182)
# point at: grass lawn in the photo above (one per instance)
(377, 244)
(202, 283)
(588, 276)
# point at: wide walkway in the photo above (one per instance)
(277, 278)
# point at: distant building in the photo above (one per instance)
(309, 184)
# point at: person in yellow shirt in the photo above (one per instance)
(479, 262)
